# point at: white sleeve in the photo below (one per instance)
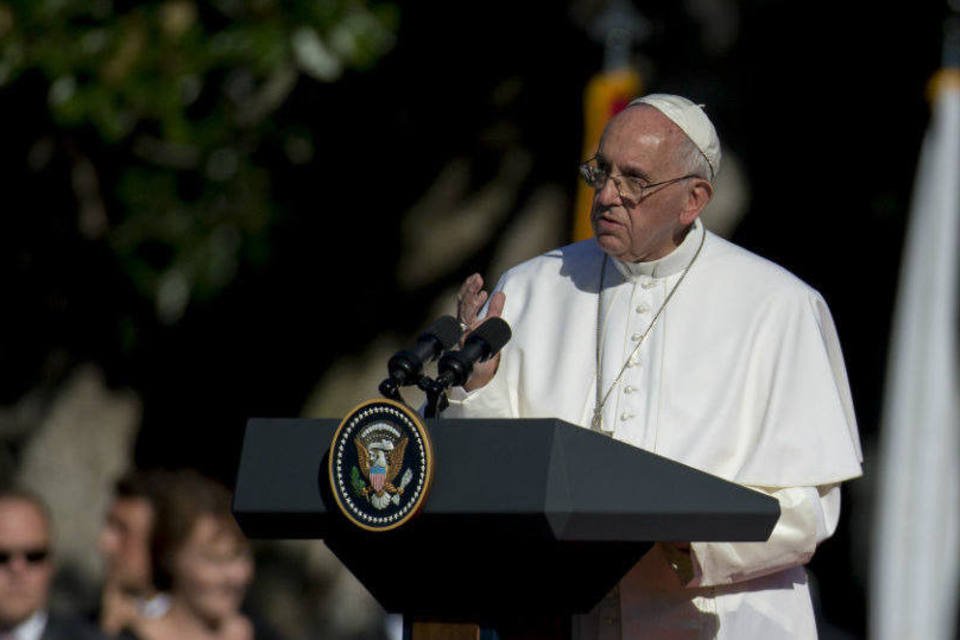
(808, 516)
(497, 399)
(491, 401)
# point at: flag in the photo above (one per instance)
(915, 557)
(607, 94)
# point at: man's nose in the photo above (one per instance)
(609, 194)
(17, 563)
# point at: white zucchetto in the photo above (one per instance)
(692, 120)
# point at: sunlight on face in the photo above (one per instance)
(212, 570)
(24, 580)
(640, 142)
(125, 543)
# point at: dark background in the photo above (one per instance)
(823, 103)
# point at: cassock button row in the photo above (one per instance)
(625, 416)
(629, 388)
(642, 308)
(648, 283)
(636, 336)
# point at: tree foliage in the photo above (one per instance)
(164, 109)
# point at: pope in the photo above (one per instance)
(665, 336)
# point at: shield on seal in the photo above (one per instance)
(379, 464)
(378, 474)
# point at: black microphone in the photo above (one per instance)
(486, 340)
(405, 366)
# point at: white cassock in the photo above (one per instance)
(741, 376)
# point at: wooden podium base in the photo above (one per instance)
(529, 629)
(443, 631)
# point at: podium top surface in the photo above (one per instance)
(529, 477)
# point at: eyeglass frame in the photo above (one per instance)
(586, 169)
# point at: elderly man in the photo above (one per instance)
(25, 574)
(663, 335)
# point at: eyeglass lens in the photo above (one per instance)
(597, 177)
(32, 556)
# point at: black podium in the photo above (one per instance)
(526, 519)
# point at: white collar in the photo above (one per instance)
(31, 628)
(674, 262)
(155, 606)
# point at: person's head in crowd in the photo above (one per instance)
(125, 537)
(26, 567)
(128, 592)
(199, 555)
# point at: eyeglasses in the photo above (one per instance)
(631, 190)
(32, 556)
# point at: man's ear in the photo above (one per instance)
(698, 195)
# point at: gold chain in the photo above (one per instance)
(597, 421)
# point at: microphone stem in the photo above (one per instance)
(436, 397)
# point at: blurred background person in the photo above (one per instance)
(128, 591)
(201, 559)
(26, 571)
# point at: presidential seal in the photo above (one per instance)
(381, 465)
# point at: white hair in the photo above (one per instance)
(692, 160)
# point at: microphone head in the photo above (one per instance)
(482, 344)
(405, 366)
(495, 332)
(446, 329)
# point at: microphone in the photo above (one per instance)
(486, 340)
(405, 366)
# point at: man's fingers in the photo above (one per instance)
(470, 299)
(495, 310)
(471, 286)
(478, 301)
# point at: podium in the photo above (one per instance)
(527, 522)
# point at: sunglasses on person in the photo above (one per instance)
(32, 556)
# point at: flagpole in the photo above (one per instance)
(915, 569)
(619, 27)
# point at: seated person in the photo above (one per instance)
(202, 560)
(26, 571)
(124, 543)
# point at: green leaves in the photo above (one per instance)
(357, 482)
(173, 102)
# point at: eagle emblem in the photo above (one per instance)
(380, 457)
(380, 465)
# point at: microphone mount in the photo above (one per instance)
(405, 367)
(455, 367)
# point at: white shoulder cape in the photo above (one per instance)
(750, 383)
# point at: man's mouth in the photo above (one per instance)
(606, 221)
